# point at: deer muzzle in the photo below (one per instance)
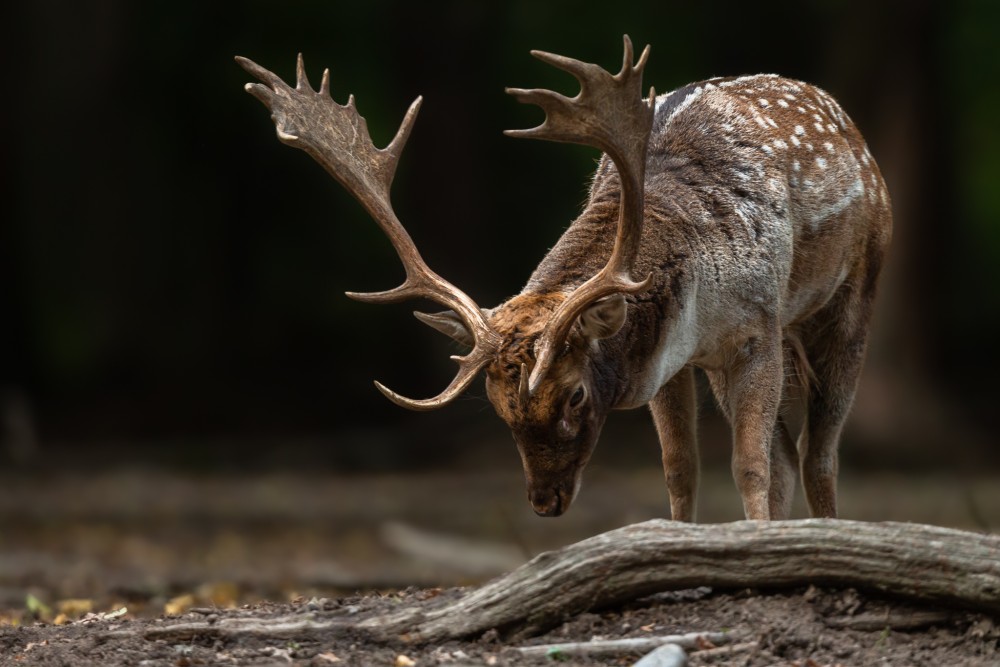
(553, 499)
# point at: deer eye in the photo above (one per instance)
(577, 398)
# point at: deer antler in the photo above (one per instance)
(337, 137)
(610, 114)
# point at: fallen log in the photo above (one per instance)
(914, 561)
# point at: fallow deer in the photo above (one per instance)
(737, 225)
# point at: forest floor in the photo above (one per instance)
(77, 549)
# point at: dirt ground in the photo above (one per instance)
(89, 563)
(807, 628)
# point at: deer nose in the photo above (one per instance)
(546, 503)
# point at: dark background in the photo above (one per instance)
(172, 276)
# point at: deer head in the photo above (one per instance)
(546, 374)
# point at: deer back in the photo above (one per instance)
(761, 199)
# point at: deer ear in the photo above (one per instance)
(449, 323)
(604, 317)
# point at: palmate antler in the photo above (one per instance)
(610, 114)
(337, 137)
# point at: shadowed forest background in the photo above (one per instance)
(173, 277)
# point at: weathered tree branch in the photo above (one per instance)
(915, 561)
(919, 562)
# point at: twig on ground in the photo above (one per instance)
(291, 626)
(723, 651)
(894, 620)
(604, 647)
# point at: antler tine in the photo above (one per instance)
(610, 114)
(337, 137)
(468, 367)
(301, 79)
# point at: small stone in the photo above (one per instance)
(668, 655)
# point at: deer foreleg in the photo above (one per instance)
(784, 469)
(749, 392)
(675, 413)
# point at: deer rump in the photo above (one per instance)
(736, 225)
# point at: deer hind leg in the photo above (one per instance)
(675, 413)
(791, 418)
(835, 343)
(749, 393)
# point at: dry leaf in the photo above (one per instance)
(103, 616)
(62, 619)
(220, 594)
(178, 605)
(121, 611)
(327, 657)
(404, 661)
(75, 608)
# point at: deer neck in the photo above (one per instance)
(661, 335)
(661, 331)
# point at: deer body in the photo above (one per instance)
(754, 209)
